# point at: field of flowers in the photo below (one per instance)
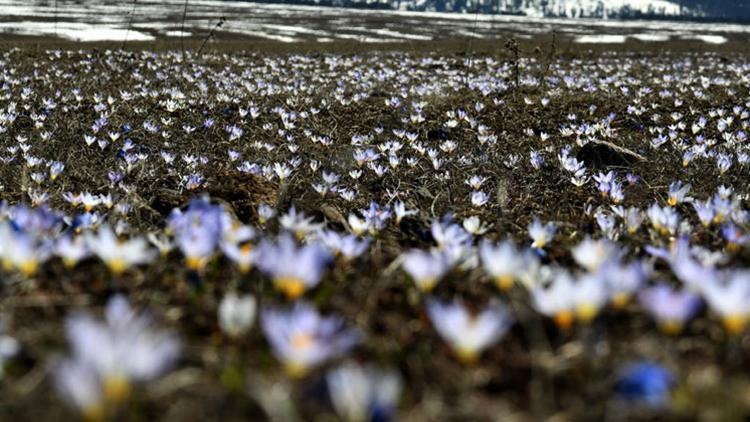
(373, 237)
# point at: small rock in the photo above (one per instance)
(606, 154)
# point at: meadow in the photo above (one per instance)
(510, 232)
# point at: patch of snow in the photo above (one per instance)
(601, 39)
(708, 39)
(178, 34)
(75, 31)
(651, 37)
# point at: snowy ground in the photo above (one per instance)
(148, 20)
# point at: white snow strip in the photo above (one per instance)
(651, 37)
(601, 39)
(178, 34)
(708, 39)
(76, 31)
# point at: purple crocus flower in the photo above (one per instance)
(670, 307)
(294, 269)
(302, 338)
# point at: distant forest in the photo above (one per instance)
(702, 10)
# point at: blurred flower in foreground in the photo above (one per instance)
(301, 338)
(671, 308)
(426, 268)
(567, 298)
(294, 269)
(8, 347)
(730, 299)
(298, 223)
(645, 383)
(504, 262)
(592, 254)
(363, 394)
(236, 314)
(108, 357)
(347, 246)
(469, 334)
(21, 251)
(197, 231)
(118, 255)
(265, 213)
(624, 279)
(71, 249)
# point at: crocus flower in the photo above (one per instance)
(541, 234)
(236, 314)
(89, 201)
(734, 237)
(376, 217)
(71, 249)
(447, 234)
(9, 347)
(623, 280)
(109, 357)
(670, 307)
(243, 255)
(730, 299)
(362, 394)
(592, 254)
(665, 220)
(426, 268)
(633, 219)
(301, 338)
(400, 210)
(198, 231)
(705, 212)
(298, 223)
(479, 198)
(468, 334)
(21, 251)
(80, 385)
(348, 246)
(294, 269)
(358, 226)
(265, 213)
(118, 255)
(567, 298)
(503, 262)
(678, 193)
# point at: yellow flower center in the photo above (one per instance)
(671, 327)
(28, 267)
(735, 324)
(426, 284)
(504, 282)
(116, 389)
(620, 300)
(295, 369)
(467, 356)
(586, 312)
(93, 413)
(195, 263)
(117, 265)
(564, 320)
(290, 286)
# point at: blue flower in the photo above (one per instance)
(645, 382)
